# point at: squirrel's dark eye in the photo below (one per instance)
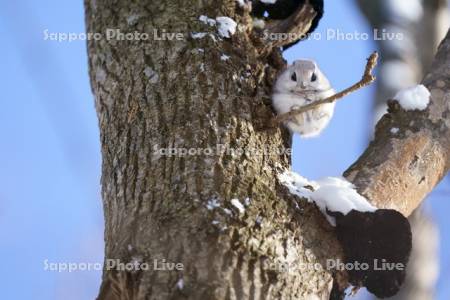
(294, 77)
(314, 77)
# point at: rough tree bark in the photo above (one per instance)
(180, 94)
(152, 95)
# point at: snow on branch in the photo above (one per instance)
(226, 26)
(330, 194)
(416, 97)
(362, 230)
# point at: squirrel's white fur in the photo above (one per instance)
(300, 84)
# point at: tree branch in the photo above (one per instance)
(367, 79)
(400, 167)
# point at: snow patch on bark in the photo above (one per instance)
(227, 211)
(236, 203)
(206, 20)
(198, 35)
(224, 57)
(333, 194)
(336, 194)
(394, 130)
(180, 284)
(259, 220)
(297, 184)
(413, 98)
(212, 203)
(227, 26)
(151, 75)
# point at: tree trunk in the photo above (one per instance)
(153, 95)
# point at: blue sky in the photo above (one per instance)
(50, 206)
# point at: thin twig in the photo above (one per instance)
(367, 79)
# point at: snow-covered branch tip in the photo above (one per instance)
(366, 79)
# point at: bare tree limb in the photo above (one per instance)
(400, 167)
(366, 79)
